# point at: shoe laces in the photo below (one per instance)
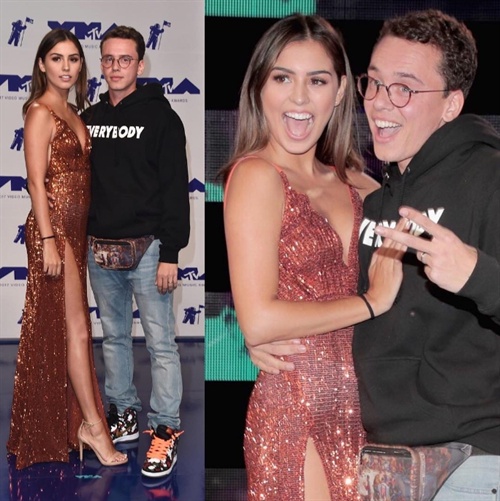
(159, 446)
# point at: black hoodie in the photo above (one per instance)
(429, 368)
(140, 180)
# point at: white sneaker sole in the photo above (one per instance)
(154, 474)
(127, 438)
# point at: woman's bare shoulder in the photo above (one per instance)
(38, 114)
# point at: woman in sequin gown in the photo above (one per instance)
(55, 385)
(292, 212)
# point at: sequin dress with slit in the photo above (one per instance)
(45, 412)
(319, 399)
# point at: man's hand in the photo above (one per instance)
(166, 277)
(265, 356)
(448, 262)
(50, 197)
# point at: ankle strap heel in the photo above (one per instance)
(116, 458)
(89, 425)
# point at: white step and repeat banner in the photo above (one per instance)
(174, 35)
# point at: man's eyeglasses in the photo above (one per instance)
(123, 61)
(399, 94)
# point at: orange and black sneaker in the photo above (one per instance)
(122, 427)
(162, 454)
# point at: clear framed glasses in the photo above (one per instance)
(123, 61)
(399, 94)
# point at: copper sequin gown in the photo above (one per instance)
(45, 412)
(319, 399)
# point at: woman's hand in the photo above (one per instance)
(52, 262)
(386, 272)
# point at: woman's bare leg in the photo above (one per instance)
(315, 483)
(79, 366)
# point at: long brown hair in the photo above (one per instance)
(39, 79)
(337, 145)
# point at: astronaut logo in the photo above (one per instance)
(155, 34)
(192, 315)
(17, 33)
(17, 142)
(92, 85)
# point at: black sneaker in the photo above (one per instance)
(122, 427)
(162, 454)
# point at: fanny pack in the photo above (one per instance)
(120, 253)
(395, 472)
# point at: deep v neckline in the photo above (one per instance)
(82, 148)
(350, 241)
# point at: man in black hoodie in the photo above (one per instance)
(139, 189)
(429, 368)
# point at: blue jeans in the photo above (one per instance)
(477, 479)
(113, 291)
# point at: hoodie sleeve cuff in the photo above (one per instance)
(168, 255)
(483, 286)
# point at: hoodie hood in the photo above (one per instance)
(456, 139)
(143, 94)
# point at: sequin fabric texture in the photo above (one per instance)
(319, 399)
(45, 412)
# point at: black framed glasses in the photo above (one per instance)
(399, 94)
(123, 61)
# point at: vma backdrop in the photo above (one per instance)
(174, 35)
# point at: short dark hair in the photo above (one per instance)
(448, 35)
(128, 33)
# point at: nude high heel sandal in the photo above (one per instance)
(114, 460)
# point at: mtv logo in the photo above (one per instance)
(16, 83)
(190, 274)
(168, 85)
(82, 31)
(17, 183)
(196, 185)
(19, 272)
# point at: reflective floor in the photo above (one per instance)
(92, 482)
